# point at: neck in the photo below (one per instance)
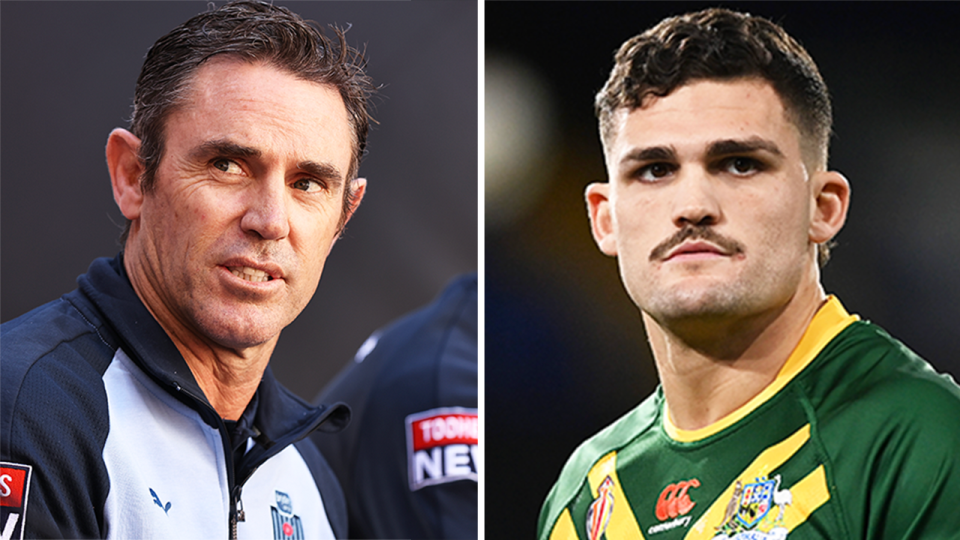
(228, 377)
(708, 369)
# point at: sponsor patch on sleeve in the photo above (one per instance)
(441, 446)
(14, 491)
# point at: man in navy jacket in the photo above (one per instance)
(141, 405)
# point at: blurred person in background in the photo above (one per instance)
(408, 460)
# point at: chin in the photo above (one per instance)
(711, 303)
(241, 331)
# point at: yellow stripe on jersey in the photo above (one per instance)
(829, 321)
(767, 461)
(623, 524)
(564, 528)
(806, 496)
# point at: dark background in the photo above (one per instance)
(565, 349)
(68, 76)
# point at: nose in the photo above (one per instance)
(696, 200)
(266, 214)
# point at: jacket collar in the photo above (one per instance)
(281, 416)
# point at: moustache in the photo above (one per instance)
(695, 232)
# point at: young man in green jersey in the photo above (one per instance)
(779, 414)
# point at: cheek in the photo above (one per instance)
(782, 225)
(313, 234)
(640, 223)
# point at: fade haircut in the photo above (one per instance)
(719, 44)
(254, 32)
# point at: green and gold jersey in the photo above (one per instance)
(856, 438)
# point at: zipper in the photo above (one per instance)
(236, 511)
(237, 514)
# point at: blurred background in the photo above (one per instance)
(68, 72)
(566, 352)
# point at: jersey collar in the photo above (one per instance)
(829, 321)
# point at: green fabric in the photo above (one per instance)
(884, 426)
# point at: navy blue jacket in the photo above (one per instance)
(408, 460)
(104, 433)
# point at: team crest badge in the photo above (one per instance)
(598, 515)
(755, 511)
(286, 525)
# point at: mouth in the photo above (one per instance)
(696, 249)
(252, 275)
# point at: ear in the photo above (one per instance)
(831, 192)
(601, 219)
(125, 171)
(360, 188)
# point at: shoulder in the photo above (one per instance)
(44, 329)
(53, 359)
(614, 437)
(889, 424)
(865, 370)
(54, 415)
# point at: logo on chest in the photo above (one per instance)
(286, 525)
(600, 510)
(755, 511)
(674, 504)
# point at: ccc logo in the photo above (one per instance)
(674, 500)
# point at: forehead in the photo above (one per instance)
(697, 114)
(261, 106)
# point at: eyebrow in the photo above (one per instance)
(323, 171)
(743, 146)
(716, 149)
(652, 153)
(220, 147)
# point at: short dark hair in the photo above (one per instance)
(254, 32)
(719, 44)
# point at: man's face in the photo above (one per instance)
(709, 207)
(233, 238)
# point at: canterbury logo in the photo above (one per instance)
(675, 501)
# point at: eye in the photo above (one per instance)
(227, 165)
(654, 171)
(307, 184)
(741, 166)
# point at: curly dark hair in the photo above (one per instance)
(254, 32)
(719, 44)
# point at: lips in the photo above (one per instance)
(698, 247)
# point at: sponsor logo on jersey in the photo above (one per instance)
(286, 525)
(14, 492)
(674, 503)
(441, 446)
(755, 511)
(600, 510)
